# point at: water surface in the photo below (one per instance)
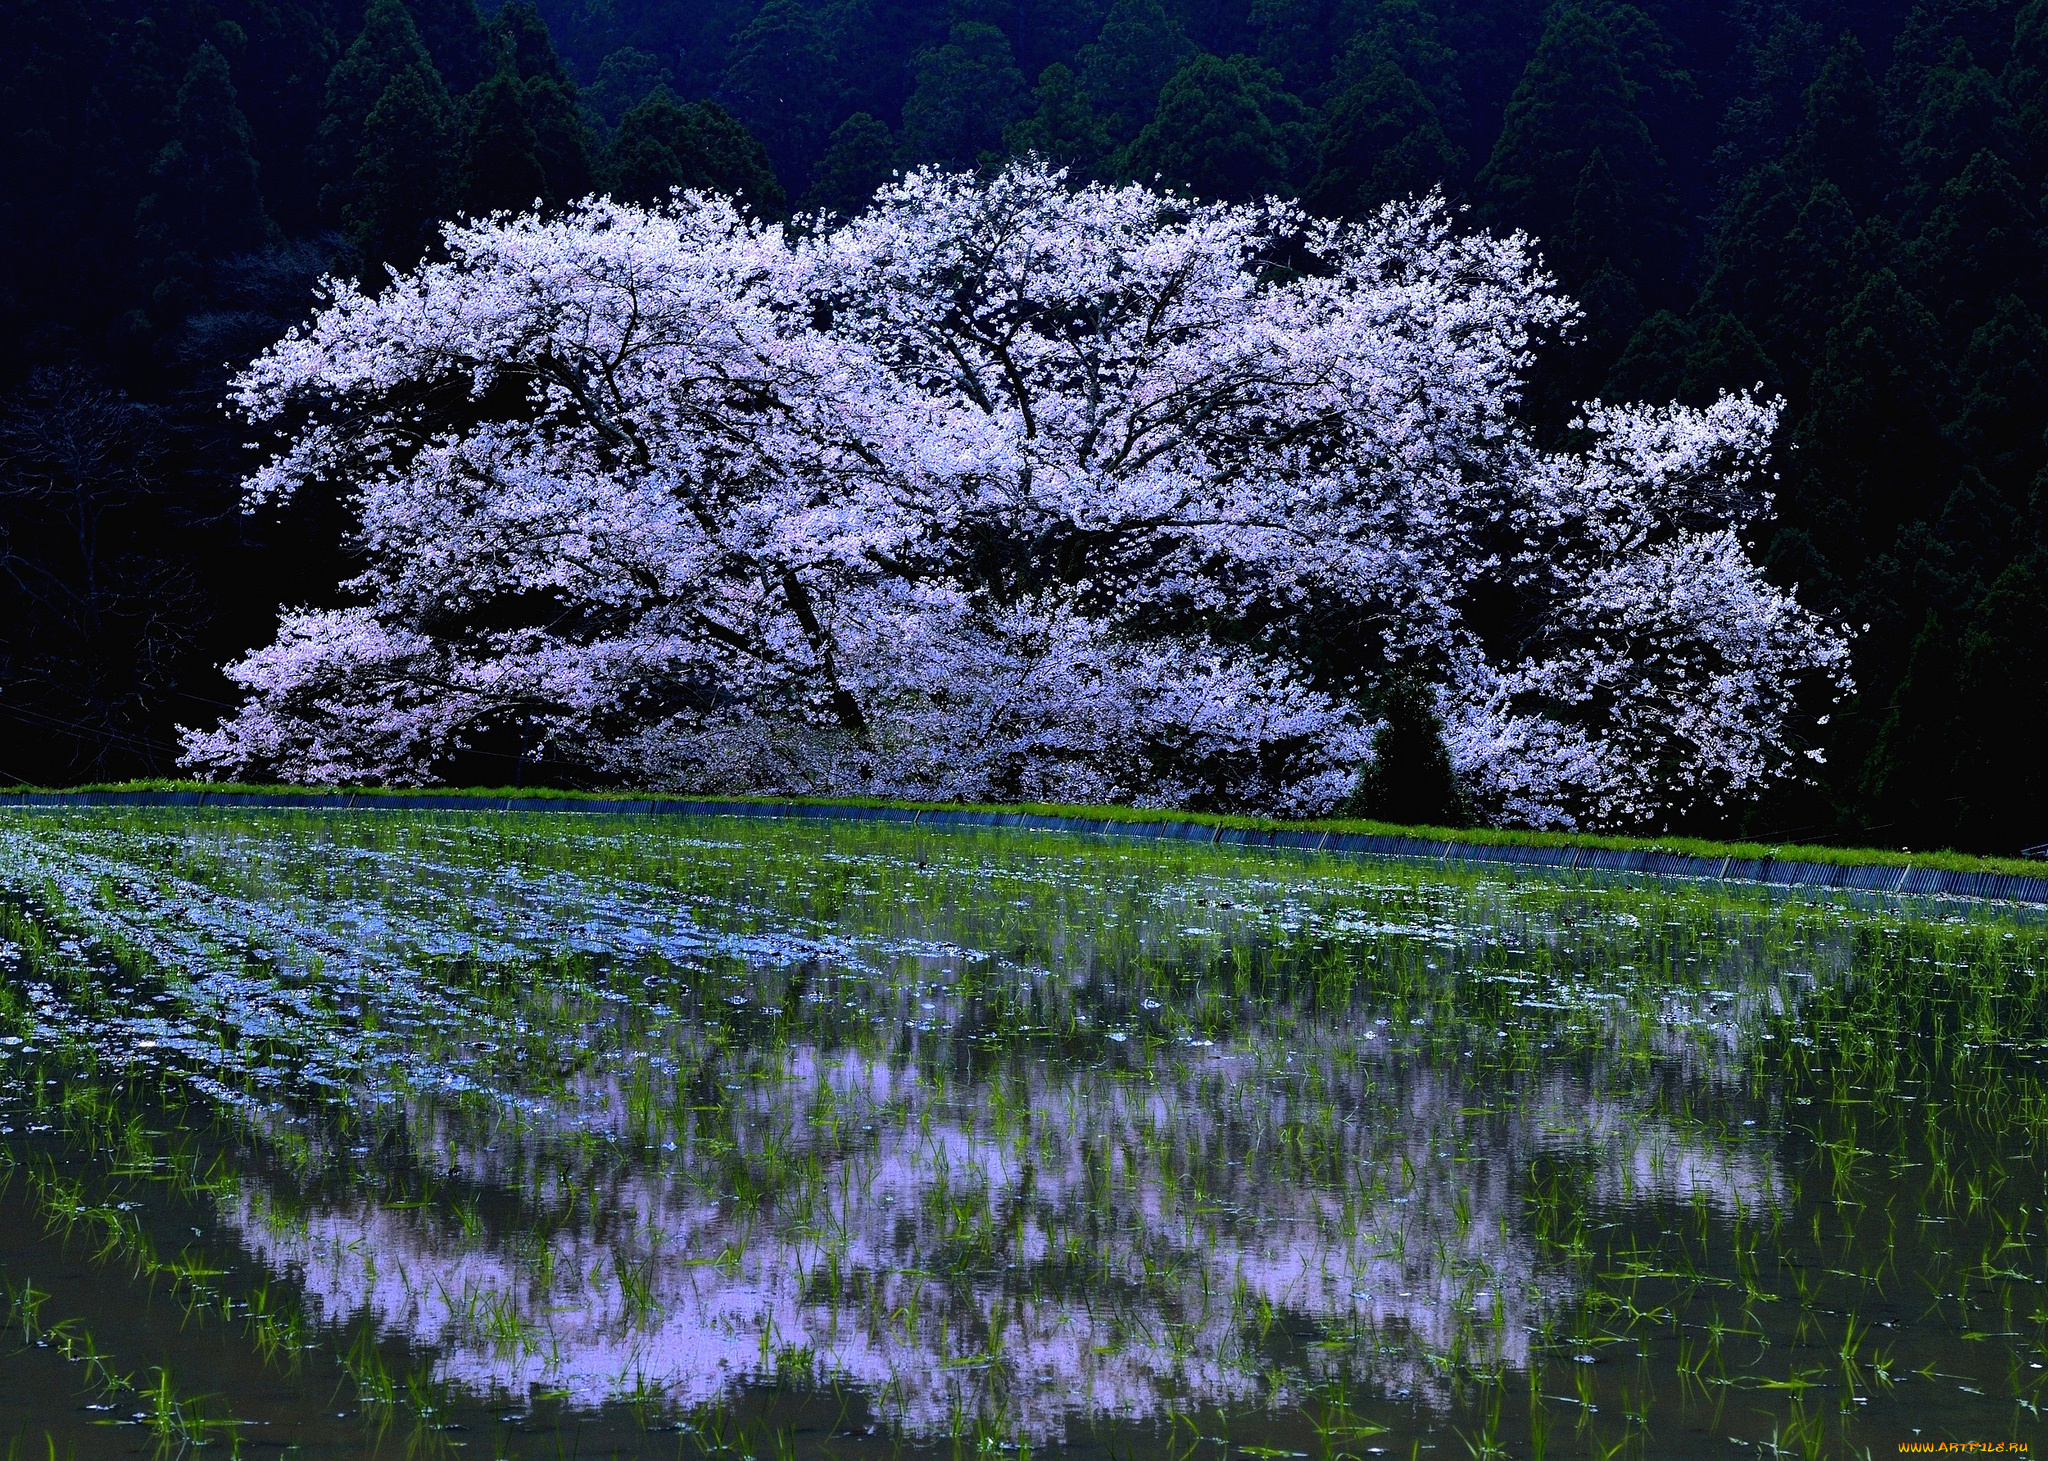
(536, 1135)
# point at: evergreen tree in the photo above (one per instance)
(1577, 164)
(410, 144)
(663, 144)
(1602, 247)
(1761, 122)
(968, 91)
(501, 166)
(1790, 253)
(1382, 139)
(1295, 39)
(1871, 455)
(1123, 70)
(1957, 111)
(859, 159)
(1063, 127)
(780, 81)
(1662, 92)
(876, 41)
(1410, 35)
(1846, 136)
(1493, 43)
(522, 41)
(1728, 357)
(1908, 782)
(1577, 99)
(82, 115)
(2003, 383)
(1784, 262)
(2001, 707)
(1410, 782)
(562, 140)
(280, 76)
(388, 43)
(1655, 363)
(1224, 129)
(207, 201)
(562, 144)
(2025, 83)
(454, 35)
(623, 79)
(1928, 34)
(1978, 246)
(1793, 562)
(1042, 32)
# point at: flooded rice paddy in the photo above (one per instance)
(420, 1134)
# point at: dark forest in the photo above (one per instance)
(1842, 203)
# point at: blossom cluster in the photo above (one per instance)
(1007, 489)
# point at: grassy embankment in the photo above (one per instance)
(1485, 836)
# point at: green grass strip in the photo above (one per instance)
(1474, 836)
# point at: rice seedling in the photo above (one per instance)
(1018, 1137)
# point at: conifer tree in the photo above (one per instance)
(1979, 245)
(280, 74)
(562, 141)
(1728, 357)
(663, 144)
(1576, 163)
(1042, 32)
(523, 42)
(1225, 129)
(1956, 111)
(779, 81)
(2025, 83)
(1767, 112)
(562, 145)
(1907, 782)
(2002, 705)
(454, 34)
(501, 166)
(1846, 137)
(967, 92)
(1786, 261)
(1294, 39)
(623, 79)
(858, 160)
(388, 43)
(1599, 236)
(1871, 455)
(1410, 781)
(1382, 140)
(1063, 126)
(1577, 98)
(1653, 365)
(207, 201)
(1929, 33)
(2003, 383)
(1413, 36)
(402, 192)
(1139, 49)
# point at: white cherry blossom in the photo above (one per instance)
(1012, 489)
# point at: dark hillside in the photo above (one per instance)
(1842, 203)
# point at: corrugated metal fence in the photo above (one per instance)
(1868, 877)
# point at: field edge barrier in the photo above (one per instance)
(1885, 878)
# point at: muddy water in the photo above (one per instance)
(353, 1134)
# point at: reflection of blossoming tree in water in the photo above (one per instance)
(1046, 1246)
(785, 1097)
(1012, 490)
(1040, 1243)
